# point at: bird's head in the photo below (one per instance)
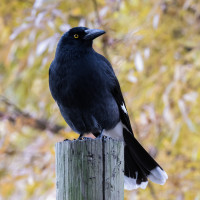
(80, 37)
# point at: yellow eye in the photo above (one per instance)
(76, 36)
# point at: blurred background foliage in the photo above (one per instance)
(154, 48)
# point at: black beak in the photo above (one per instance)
(91, 34)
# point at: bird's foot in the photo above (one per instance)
(68, 140)
(102, 136)
(84, 138)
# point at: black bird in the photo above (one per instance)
(89, 97)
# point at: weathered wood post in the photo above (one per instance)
(91, 169)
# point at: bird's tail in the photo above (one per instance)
(139, 165)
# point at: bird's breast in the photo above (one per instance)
(79, 87)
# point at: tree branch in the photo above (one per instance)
(26, 118)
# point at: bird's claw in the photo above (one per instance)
(84, 138)
(102, 137)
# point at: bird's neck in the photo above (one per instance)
(71, 54)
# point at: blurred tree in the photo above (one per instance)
(154, 49)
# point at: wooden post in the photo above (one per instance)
(91, 169)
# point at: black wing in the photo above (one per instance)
(117, 94)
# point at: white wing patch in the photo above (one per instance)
(124, 108)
